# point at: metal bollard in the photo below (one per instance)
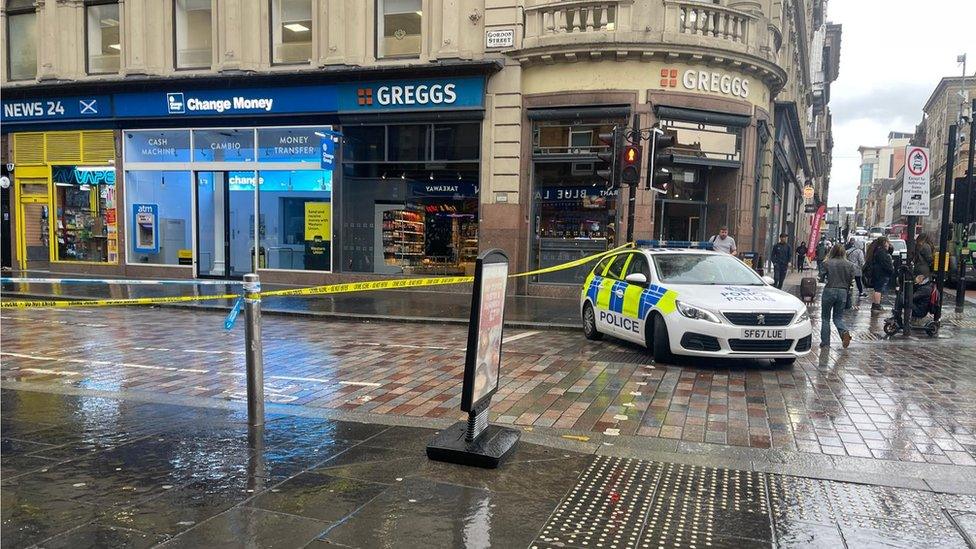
(253, 349)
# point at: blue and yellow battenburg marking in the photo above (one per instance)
(635, 302)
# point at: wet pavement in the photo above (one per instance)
(83, 471)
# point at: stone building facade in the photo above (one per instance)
(337, 140)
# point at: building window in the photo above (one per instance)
(21, 40)
(291, 32)
(398, 26)
(574, 214)
(160, 218)
(193, 26)
(85, 219)
(103, 37)
(410, 198)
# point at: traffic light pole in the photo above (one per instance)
(946, 212)
(968, 217)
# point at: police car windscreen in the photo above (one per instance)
(704, 269)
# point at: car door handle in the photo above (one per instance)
(620, 293)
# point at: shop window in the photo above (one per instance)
(292, 144)
(552, 137)
(296, 219)
(223, 145)
(193, 24)
(291, 32)
(103, 37)
(457, 141)
(85, 213)
(157, 146)
(364, 143)
(159, 216)
(705, 141)
(408, 142)
(21, 40)
(398, 28)
(405, 219)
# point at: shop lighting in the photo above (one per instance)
(320, 134)
(296, 27)
(403, 175)
(60, 184)
(420, 13)
(431, 176)
(383, 177)
(116, 47)
(91, 168)
(459, 176)
(85, 187)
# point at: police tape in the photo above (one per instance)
(348, 287)
(121, 281)
(63, 304)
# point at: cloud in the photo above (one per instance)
(895, 107)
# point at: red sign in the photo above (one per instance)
(815, 231)
(110, 216)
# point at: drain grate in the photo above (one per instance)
(629, 357)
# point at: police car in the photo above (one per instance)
(682, 298)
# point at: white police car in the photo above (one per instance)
(679, 298)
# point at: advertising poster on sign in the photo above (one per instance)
(484, 353)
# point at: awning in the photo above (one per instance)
(705, 117)
(579, 113)
(688, 160)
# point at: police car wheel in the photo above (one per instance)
(589, 324)
(661, 345)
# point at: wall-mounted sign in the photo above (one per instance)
(57, 108)
(157, 146)
(706, 81)
(4, 182)
(327, 151)
(145, 226)
(500, 38)
(808, 192)
(915, 194)
(184, 256)
(84, 175)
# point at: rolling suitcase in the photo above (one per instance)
(808, 289)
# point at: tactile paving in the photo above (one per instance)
(606, 508)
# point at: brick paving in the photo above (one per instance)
(896, 400)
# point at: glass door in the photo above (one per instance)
(33, 225)
(681, 220)
(225, 224)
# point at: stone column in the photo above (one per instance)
(229, 36)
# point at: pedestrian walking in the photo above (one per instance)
(801, 257)
(840, 276)
(878, 269)
(780, 257)
(722, 242)
(924, 255)
(856, 256)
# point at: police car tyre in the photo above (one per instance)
(589, 324)
(661, 344)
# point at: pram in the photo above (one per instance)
(925, 297)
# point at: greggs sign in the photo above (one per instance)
(706, 81)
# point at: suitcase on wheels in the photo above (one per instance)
(808, 288)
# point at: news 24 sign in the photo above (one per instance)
(915, 194)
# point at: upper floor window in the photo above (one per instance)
(398, 26)
(21, 40)
(194, 28)
(291, 31)
(103, 38)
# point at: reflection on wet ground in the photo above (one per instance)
(99, 472)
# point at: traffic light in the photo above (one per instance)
(609, 167)
(659, 175)
(962, 201)
(630, 165)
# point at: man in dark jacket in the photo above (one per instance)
(782, 253)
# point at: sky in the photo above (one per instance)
(893, 53)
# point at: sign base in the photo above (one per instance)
(487, 451)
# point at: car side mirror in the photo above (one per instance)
(768, 280)
(637, 278)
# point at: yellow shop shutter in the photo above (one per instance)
(29, 149)
(98, 146)
(63, 147)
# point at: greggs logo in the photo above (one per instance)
(706, 81)
(422, 94)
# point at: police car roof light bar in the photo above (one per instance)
(675, 244)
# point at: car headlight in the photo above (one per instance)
(696, 313)
(805, 316)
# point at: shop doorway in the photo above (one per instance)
(225, 223)
(681, 220)
(33, 225)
